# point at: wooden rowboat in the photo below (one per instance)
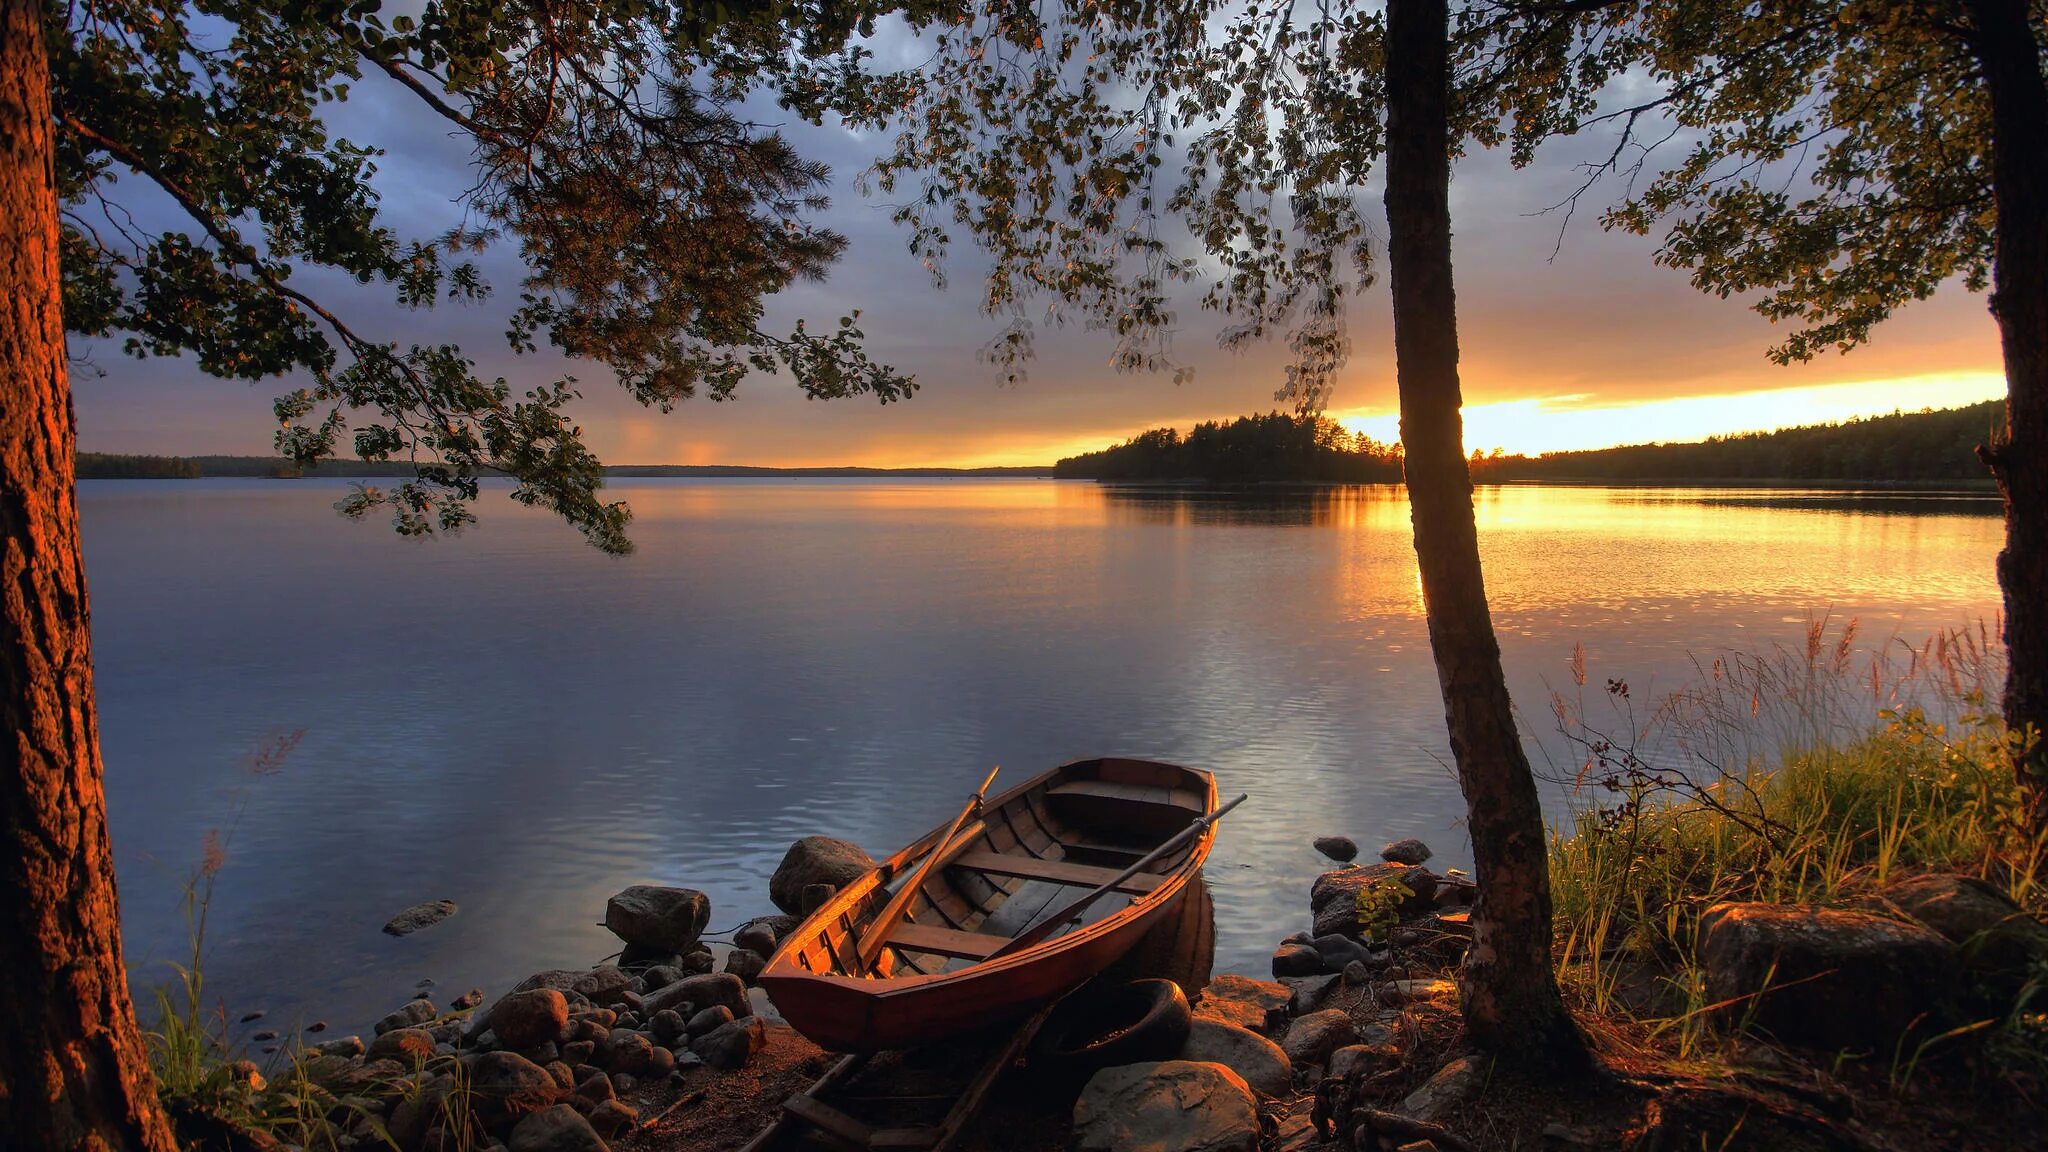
(946, 968)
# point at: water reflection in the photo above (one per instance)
(514, 721)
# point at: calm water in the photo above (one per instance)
(517, 722)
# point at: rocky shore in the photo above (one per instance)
(1353, 1042)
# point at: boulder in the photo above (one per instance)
(556, 1129)
(505, 1085)
(1334, 896)
(1835, 977)
(1260, 1005)
(419, 916)
(1312, 1038)
(535, 1016)
(1452, 1085)
(815, 860)
(745, 964)
(1170, 1106)
(702, 992)
(2000, 943)
(1342, 849)
(1297, 960)
(411, 1047)
(1409, 851)
(731, 1045)
(605, 985)
(414, 1013)
(668, 920)
(764, 934)
(1256, 1060)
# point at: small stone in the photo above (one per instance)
(696, 963)
(596, 1087)
(709, 1020)
(604, 985)
(1309, 992)
(578, 1052)
(668, 1024)
(625, 1051)
(703, 991)
(416, 1012)
(1170, 1106)
(556, 1129)
(765, 934)
(504, 1085)
(625, 1082)
(1338, 950)
(411, 1047)
(565, 1076)
(745, 965)
(317, 1026)
(639, 958)
(1353, 1059)
(419, 916)
(467, 1000)
(260, 1037)
(347, 1047)
(651, 916)
(1356, 973)
(250, 1017)
(613, 1117)
(731, 1045)
(1409, 851)
(686, 1059)
(1297, 960)
(536, 1016)
(1342, 849)
(1312, 1038)
(659, 976)
(1453, 1084)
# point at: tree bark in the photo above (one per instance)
(1510, 996)
(73, 1070)
(2003, 40)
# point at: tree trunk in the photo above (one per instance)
(73, 1071)
(1511, 1001)
(2010, 58)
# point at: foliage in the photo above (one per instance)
(1902, 446)
(1809, 777)
(1276, 446)
(1379, 908)
(1832, 159)
(652, 219)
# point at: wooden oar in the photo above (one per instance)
(876, 937)
(1047, 927)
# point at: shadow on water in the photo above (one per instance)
(1301, 506)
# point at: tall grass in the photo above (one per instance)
(1810, 775)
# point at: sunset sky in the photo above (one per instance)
(1595, 347)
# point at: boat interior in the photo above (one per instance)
(1030, 854)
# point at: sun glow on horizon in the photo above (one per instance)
(1569, 423)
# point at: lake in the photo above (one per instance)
(509, 719)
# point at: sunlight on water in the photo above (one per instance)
(517, 722)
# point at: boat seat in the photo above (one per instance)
(1158, 794)
(945, 941)
(1056, 871)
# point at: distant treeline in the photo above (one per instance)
(1249, 449)
(1904, 446)
(110, 466)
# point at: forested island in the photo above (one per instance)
(1904, 447)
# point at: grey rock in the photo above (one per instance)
(1311, 1038)
(1297, 960)
(1339, 950)
(659, 976)
(696, 963)
(625, 1051)
(667, 1025)
(745, 964)
(1826, 977)
(765, 934)
(815, 860)
(1342, 849)
(1307, 993)
(1333, 898)
(703, 992)
(650, 916)
(686, 1059)
(560, 979)
(2000, 943)
(731, 1045)
(1454, 1084)
(660, 1062)
(595, 1086)
(415, 1012)
(1409, 851)
(579, 1052)
(1356, 973)
(506, 1085)
(343, 1046)
(556, 1129)
(613, 1117)
(424, 915)
(1169, 1106)
(1257, 1061)
(641, 957)
(709, 1020)
(606, 985)
(411, 1047)
(535, 1016)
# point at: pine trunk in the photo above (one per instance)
(2010, 59)
(1511, 1000)
(73, 1072)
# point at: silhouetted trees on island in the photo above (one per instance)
(1916, 447)
(1249, 449)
